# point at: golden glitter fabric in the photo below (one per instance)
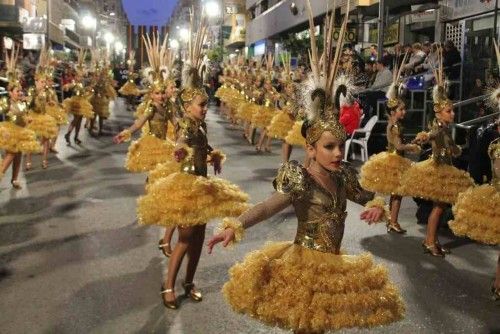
(477, 215)
(57, 112)
(235, 225)
(144, 154)
(294, 136)
(434, 181)
(183, 199)
(44, 126)
(161, 171)
(129, 89)
(263, 116)
(280, 125)
(16, 139)
(100, 105)
(295, 288)
(246, 111)
(78, 106)
(383, 171)
(141, 108)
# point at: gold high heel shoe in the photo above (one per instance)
(163, 246)
(171, 304)
(45, 164)
(15, 184)
(432, 250)
(495, 292)
(191, 292)
(28, 166)
(444, 250)
(395, 228)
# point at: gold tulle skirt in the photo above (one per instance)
(280, 125)
(183, 199)
(129, 89)
(161, 171)
(148, 151)
(100, 106)
(44, 126)
(111, 92)
(294, 136)
(477, 215)
(383, 171)
(295, 288)
(245, 111)
(16, 139)
(263, 116)
(58, 113)
(78, 106)
(435, 182)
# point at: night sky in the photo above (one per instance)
(149, 12)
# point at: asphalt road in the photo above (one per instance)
(74, 260)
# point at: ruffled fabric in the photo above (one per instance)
(435, 182)
(245, 111)
(100, 105)
(57, 112)
(263, 116)
(295, 288)
(144, 154)
(161, 171)
(383, 171)
(294, 136)
(183, 199)
(16, 139)
(129, 89)
(110, 92)
(44, 126)
(78, 106)
(477, 215)
(280, 125)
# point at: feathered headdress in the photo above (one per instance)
(80, 63)
(192, 84)
(395, 89)
(439, 93)
(286, 59)
(318, 90)
(13, 73)
(157, 53)
(44, 69)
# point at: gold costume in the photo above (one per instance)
(283, 121)
(435, 178)
(38, 120)
(14, 136)
(79, 104)
(383, 171)
(319, 288)
(189, 197)
(477, 210)
(294, 136)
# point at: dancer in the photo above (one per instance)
(130, 89)
(15, 139)
(382, 172)
(78, 104)
(436, 178)
(319, 288)
(189, 199)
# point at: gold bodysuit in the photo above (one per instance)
(17, 112)
(394, 143)
(321, 215)
(444, 148)
(158, 119)
(193, 134)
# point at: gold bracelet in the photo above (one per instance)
(235, 225)
(379, 202)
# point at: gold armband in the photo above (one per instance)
(216, 154)
(379, 202)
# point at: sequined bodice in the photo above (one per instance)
(444, 148)
(320, 214)
(494, 153)
(16, 113)
(194, 134)
(393, 132)
(158, 121)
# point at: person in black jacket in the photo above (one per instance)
(451, 61)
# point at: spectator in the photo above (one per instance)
(350, 116)
(478, 90)
(451, 61)
(384, 76)
(371, 72)
(431, 61)
(417, 58)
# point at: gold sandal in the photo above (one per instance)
(395, 227)
(191, 292)
(15, 184)
(162, 246)
(432, 250)
(168, 303)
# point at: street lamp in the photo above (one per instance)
(212, 9)
(108, 37)
(89, 22)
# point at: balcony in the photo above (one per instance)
(9, 19)
(71, 38)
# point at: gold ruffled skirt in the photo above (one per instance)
(477, 215)
(44, 126)
(280, 125)
(295, 288)
(383, 171)
(436, 182)
(100, 106)
(111, 92)
(16, 139)
(129, 89)
(78, 106)
(245, 111)
(183, 199)
(58, 113)
(263, 116)
(148, 151)
(161, 171)
(294, 136)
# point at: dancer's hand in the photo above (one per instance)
(119, 138)
(225, 237)
(217, 165)
(372, 215)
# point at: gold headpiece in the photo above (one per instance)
(192, 84)
(161, 61)
(44, 68)
(318, 91)
(393, 93)
(439, 95)
(11, 65)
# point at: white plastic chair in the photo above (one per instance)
(363, 141)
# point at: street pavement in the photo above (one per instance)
(74, 260)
